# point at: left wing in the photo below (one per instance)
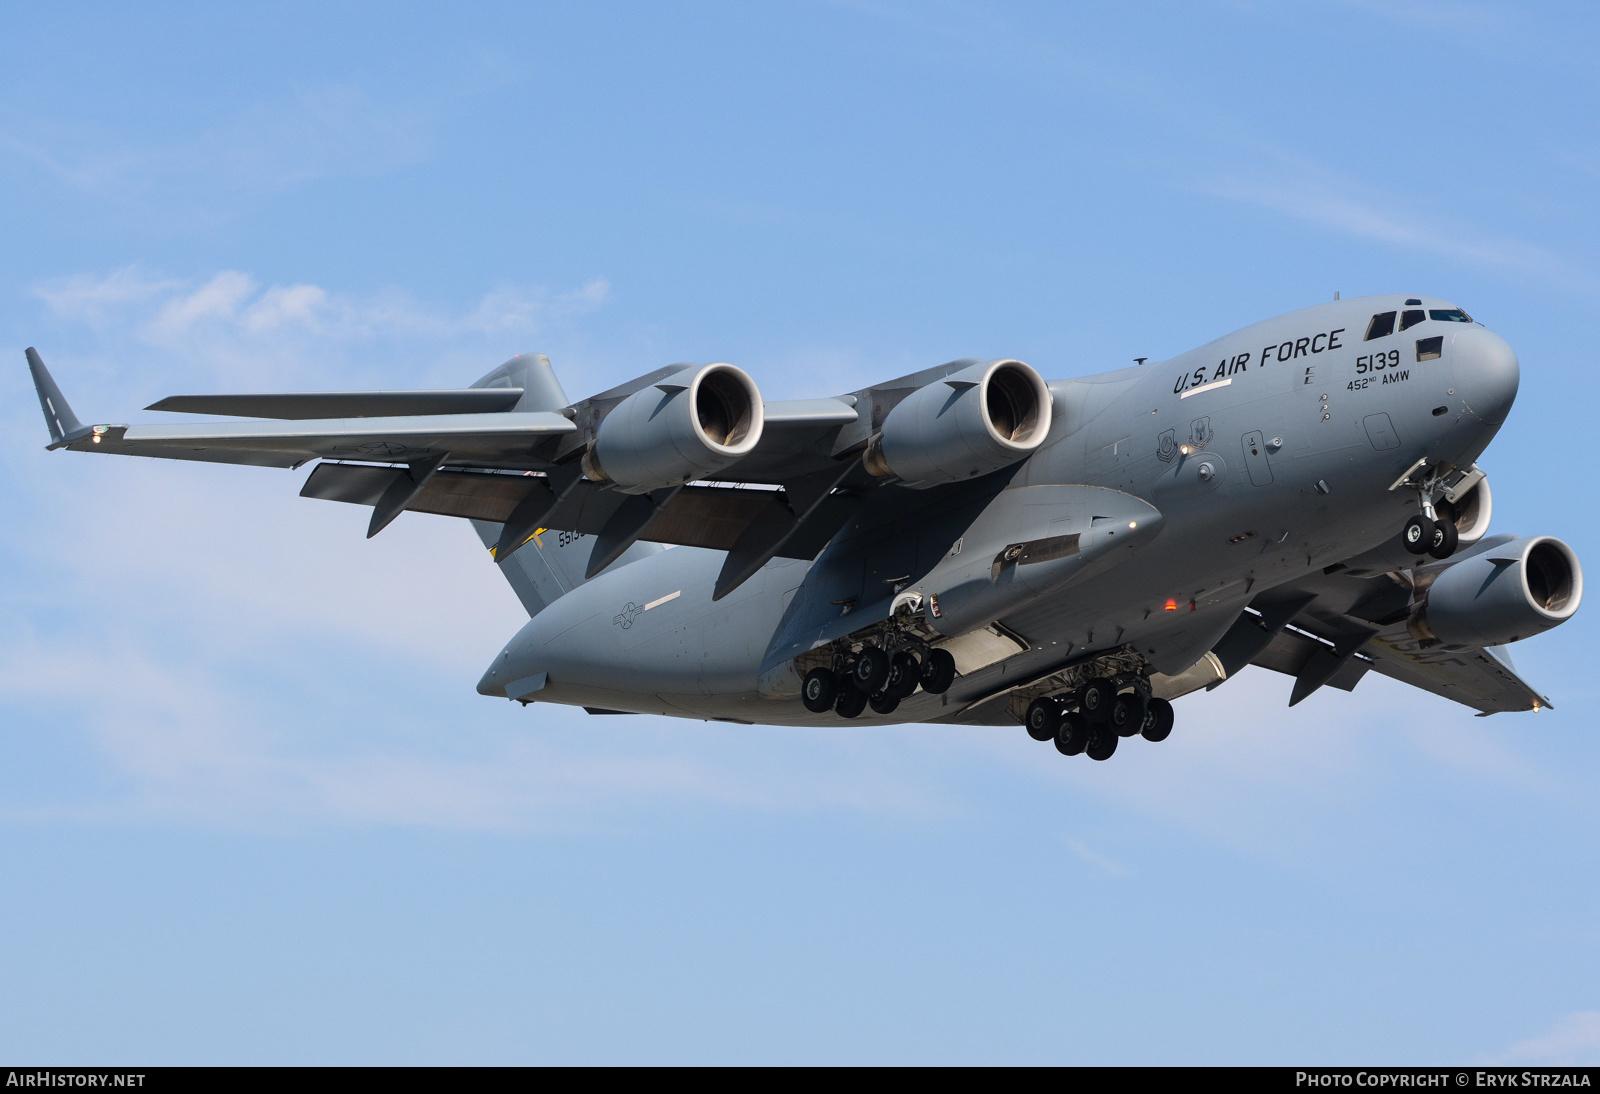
(474, 453)
(510, 441)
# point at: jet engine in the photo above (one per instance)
(689, 425)
(1509, 591)
(978, 420)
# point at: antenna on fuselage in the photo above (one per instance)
(1140, 360)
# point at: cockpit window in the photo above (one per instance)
(1449, 315)
(1430, 349)
(1382, 324)
(1412, 318)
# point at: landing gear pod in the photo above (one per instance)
(970, 423)
(689, 425)
(1509, 592)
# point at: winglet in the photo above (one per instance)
(63, 424)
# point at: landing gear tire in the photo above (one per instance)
(1102, 744)
(870, 671)
(1073, 735)
(851, 702)
(1096, 699)
(882, 702)
(1442, 544)
(818, 690)
(905, 673)
(1127, 715)
(1417, 535)
(1043, 719)
(1157, 720)
(938, 672)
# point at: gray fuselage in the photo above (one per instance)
(1269, 454)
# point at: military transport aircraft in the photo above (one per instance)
(970, 543)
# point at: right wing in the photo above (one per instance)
(1333, 627)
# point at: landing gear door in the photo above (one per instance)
(1255, 458)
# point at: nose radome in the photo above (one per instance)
(1486, 373)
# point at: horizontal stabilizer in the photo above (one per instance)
(302, 405)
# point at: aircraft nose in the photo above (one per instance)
(1486, 373)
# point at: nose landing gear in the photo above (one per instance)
(1427, 533)
(1435, 538)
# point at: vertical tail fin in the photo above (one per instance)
(552, 564)
(58, 416)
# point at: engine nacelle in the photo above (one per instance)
(970, 423)
(1508, 592)
(685, 427)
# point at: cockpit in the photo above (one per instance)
(1383, 324)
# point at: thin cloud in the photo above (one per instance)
(311, 133)
(1574, 1041)
(169, 312)
(1338, 205)
(1097, 860)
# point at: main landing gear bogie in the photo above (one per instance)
(875, 678)
(1101, 719)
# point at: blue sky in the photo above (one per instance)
(251, 809)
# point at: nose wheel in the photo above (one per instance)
(1427, 533)
(1435, 538)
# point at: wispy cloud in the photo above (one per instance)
(1320, 197)
(1097, 860)
(268, 146)
(1573, 1041)
(180, 747)
(235, 301)
(239, 330)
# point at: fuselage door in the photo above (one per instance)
(1255, 458)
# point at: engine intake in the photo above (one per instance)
(682, 428)
(972, 422)
(1511, 591)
